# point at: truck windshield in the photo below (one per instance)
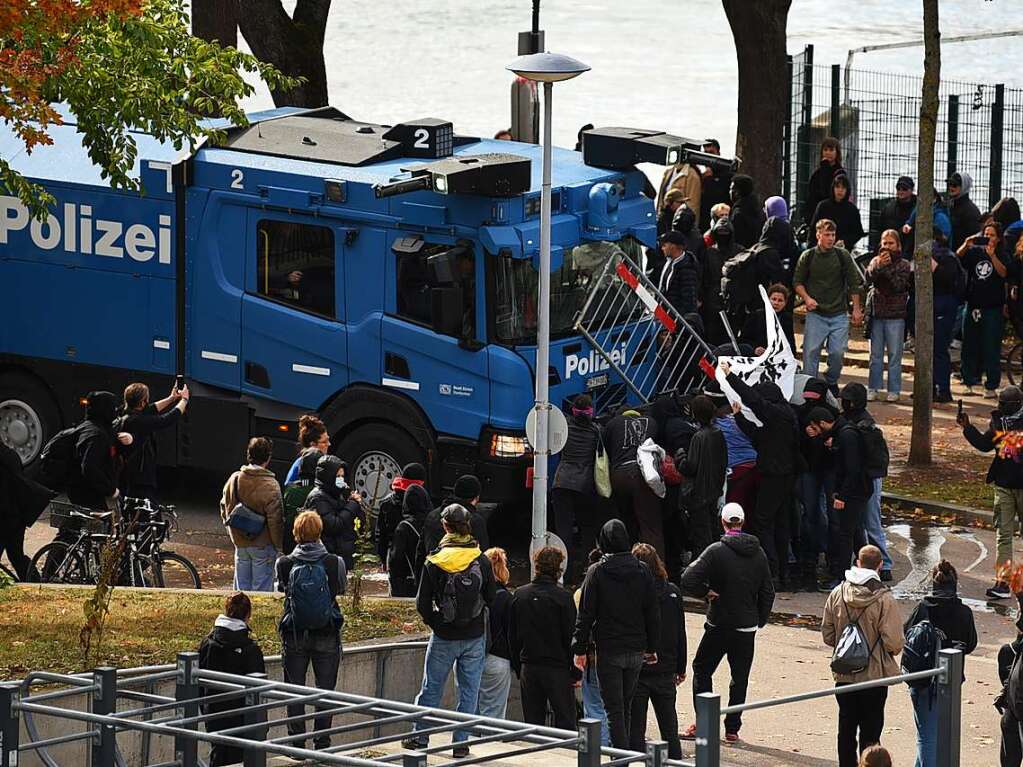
(514, 284)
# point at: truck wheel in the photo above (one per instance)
(376, 454)
(28, 416)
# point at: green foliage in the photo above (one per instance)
(145, 73)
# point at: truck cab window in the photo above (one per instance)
(417, 277)
(295, 265)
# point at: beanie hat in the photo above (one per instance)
(467, 487)
(414, 471)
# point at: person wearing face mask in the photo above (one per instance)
(746, 214)
(339, 507)
(1005, 473)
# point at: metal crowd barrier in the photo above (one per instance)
(181, 719)
(949, 676)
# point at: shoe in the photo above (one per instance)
(460, 752)
(871, 395)
(731, 737)
(886, 576)
(892, 397)
(955, 344)
(941, 398)
(999, 591)
(968, 391)
(990, 394)
(689, 733)
(829, 586)
(413, 744)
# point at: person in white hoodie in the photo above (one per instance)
(863, 599)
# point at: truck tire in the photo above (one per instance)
(28, 415)
(376, 454)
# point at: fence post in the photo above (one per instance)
(252, 757)
(806, 162)
(997, 123)
(950, 689)
(786, 149)
(708, 730)
(10, 724)
(186, 691)
(104, 701)
(589, 748)
(413, 759)
(836, 100)
(952, 142)
(656, 753)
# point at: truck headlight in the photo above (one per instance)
(508, 446)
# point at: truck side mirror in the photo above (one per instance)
(446, 310)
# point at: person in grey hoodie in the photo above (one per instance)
(962, 211)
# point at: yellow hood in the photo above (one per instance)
(454, 559)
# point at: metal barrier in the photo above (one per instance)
(949, 676)
(255, 700)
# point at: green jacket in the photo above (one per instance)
(830, 281)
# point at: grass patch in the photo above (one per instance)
(964, 487)
(40, 626)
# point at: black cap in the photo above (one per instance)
(905, 182)
(955, 180)
(455, 514)
(467, 487)
(675, 238)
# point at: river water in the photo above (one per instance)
(662, 64)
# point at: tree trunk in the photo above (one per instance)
(923, 376)
(216, 21)
(758, 29)
(293, 44)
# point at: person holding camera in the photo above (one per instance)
(985, 297)
(890, 279)
(142, 419)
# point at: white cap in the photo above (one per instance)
(732, 512)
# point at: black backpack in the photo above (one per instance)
(875, 449)
(739, 278)
(461, 601)
(58, 463)
(920, 652)
(961, 279)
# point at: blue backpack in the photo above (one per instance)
(310, 605)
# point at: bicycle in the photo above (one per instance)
(144, 563)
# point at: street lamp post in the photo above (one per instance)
(546, 68)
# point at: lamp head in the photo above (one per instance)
(547, 67)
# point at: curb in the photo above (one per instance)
(964, 515)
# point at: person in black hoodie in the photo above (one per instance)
(777, 446)
(676, 426)
(542, 619)
(816, 484)
(636, 502)
(896, 212)
(229, 649)
(618, 609)
(746, 214)
(573, 492)
(776, 254)
(722, 248)
(734, 577)
(948, 614)
(392, 508)
(142, 419)
(840, 209)
(466, 493)
(684, 221)
(22, 500)
(339, 507)
(96, 453)
(657, 681)
(320, 644)
(704, 464)
(819, 186)
(962, 211)
(949, 279)
(406, 554)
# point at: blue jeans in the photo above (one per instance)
(886, 335)
(593, 704)
(254, 568)
(815, 491)
(945, 309)
(925, 714)
(495, 684)
(467, 657)
(872, 526)
(835, 332)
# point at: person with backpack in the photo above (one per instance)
(406, 555)
(392, 508)
(574, 492)
(890, 279)
(949, 278)
(542, 620)
(862, 623)
(704, 464)
(230, 649)
(339, 507)
(456, 588)
(940, 621)
(658, 681)
(618, 610)
(312, 432)
(630, 492)
(296, 492)
(90, 477)
(1006, 474)
(746, 213)
(982, 257)
(734, 577)
(22, 501)
(251, 510)
(466, 493)
(312, 579)
(826, 278)
(495, 684)
(142, 419)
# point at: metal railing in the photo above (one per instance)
(948, 676)
(118, 707)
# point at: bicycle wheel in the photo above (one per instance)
(57, 562)
(1014, 364)
(173, 571)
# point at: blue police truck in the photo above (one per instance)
(380, 276)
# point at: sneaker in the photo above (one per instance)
(893, 397)
(942, 398)
(968, 391)
(999, 591)
(955, 344)
(731, 737)
(871, 395)
(460, 752)
(413, 744)
(990, 394)
(689, 733)
(886, 576)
